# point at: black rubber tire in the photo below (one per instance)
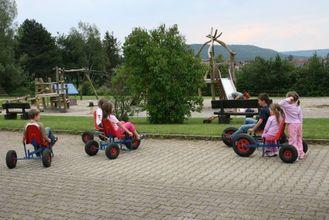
(112, 151)
(91, 148)
(133, 145)
(87, 136)
(11, 159)
(239, 145)
(46, 158)
(305, 147)
(283, 139)
(288, 153)
(226, 136)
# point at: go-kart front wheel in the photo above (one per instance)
(244, 145)
(288, 153)
(112, 151)
(11, 159)
(226, 136)
(91, 148)
(133, 145)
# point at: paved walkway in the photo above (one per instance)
(164, 179)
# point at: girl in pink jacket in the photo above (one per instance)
(271, 129)
(294, 120)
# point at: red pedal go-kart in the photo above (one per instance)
(110, 141)
(42, 149)
(245, 145)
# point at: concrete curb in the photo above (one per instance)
(170, 136)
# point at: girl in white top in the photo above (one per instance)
(119, 126)
(99, 113)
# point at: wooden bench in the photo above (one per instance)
(224, 116)
(20, 108)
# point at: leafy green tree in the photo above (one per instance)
(163, 69)
(313, 78)
(82, 47)
(37, 49)
(11, 75)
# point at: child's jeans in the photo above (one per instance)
(51, 136)
(296, 137)
(249, 123)
(273, 149)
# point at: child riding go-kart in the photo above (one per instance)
(42, 148)
(111, 141)
(245, 145)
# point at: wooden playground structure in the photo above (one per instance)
(57, 92)
(226, 86)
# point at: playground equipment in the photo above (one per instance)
(59, 91)
(226, 85)
(42, 149)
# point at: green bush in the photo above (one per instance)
(162, 70)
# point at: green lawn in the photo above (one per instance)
(313, 128)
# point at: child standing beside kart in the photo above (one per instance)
(120, 126)
(272, 128)
(253, 125)
(46, 133)
(293, 119)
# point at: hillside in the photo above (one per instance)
(307, 53)
(244, 52)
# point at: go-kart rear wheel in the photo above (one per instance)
(133, 145)
(226, 136)
(112, 151)
(11, 159)
(87, 136)
(46, 158)
(240, 145)
(305, 147)
(288, 153)
(92, 148)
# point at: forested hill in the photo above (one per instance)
(307, 53)
(244, 52)
(249, 52)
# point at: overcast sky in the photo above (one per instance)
(281, 25)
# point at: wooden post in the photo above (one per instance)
(91, 84)
(63, 90)
(57, 89)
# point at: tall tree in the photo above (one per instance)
(162, 67)
(11, 77)
(82, 47)
(37, 49)
(112, 50)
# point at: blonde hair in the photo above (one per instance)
(295, 96)
(33, 113)
(278, 112)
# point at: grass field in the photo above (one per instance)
(312, 128)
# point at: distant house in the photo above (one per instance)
(299, 62)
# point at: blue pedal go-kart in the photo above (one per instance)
(110, 141)
(42, 149)
(245, 145)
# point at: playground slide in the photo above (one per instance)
(228, 86)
